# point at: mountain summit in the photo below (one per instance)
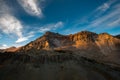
(83, 39)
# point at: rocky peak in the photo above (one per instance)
(48, 41)
(51, 34)
(105, 35)
(86, 32)
(83, 36)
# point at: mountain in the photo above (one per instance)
(52, 40)
(83, 39)
(48, 41)
(10, 49)
(101, 47)
(81, 56)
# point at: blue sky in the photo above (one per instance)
(22, 21)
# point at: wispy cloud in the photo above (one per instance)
(22, 39)
(100, 10)
(31, 7)
(42, 29)
(106, 15)
(9, 24)
(52, 26)
(106, 18)
(0, 36)
(105, 6)
(115, 23)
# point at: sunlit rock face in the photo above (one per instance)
(48, 41)
(107, 43)
(83, 40)
(52, 40)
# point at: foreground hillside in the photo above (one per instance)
(54, 66)
(81, 56)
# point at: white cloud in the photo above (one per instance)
(115, 23)
(3, 46)
(22, 39)
(9, 24)
(100, 10)
(58, 24)
(106, 6)
(44, 29)
(105, 18)
(0, 36)
(99, 16)
(49, 27)
(31, 7)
